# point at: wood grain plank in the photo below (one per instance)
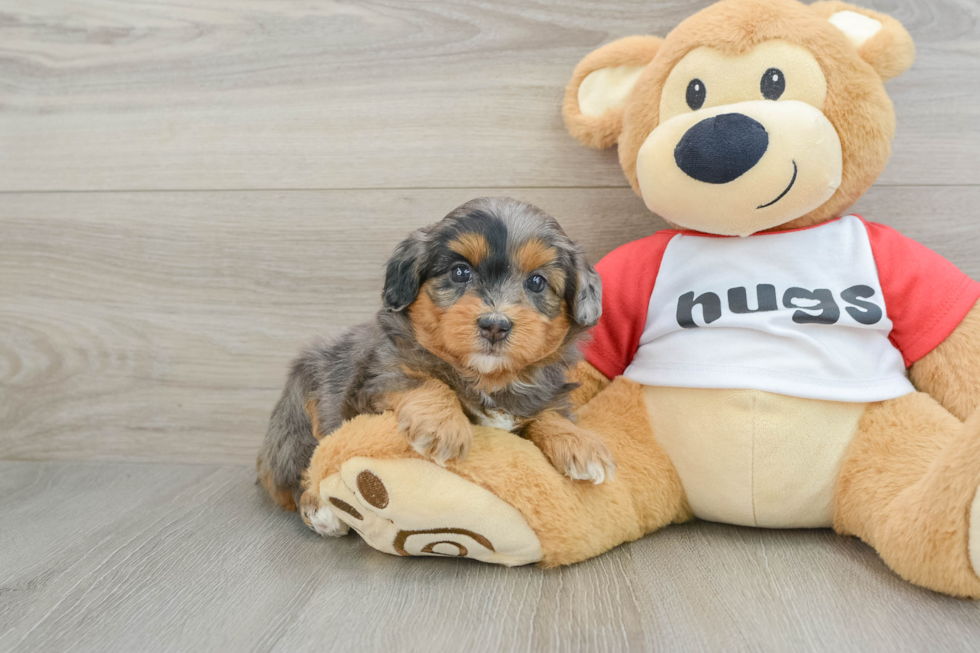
(224, 94)
(747, 589)
(196, 558)
(159, 326)
(177, 313)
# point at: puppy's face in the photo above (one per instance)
(493, 288)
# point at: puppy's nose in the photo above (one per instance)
(494, 327)
(721, 149)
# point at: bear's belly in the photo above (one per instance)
(754, 458)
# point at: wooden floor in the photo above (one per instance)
(134, 557)
(189, 189)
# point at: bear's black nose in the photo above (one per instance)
(721, 149)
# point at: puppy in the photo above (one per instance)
(482, 314)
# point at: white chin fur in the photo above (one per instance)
(486, 363)
(497, 419)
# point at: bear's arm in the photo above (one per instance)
(935, 318)
(951, 371)
(591, 382)
(628, 274)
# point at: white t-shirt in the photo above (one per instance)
(834, 312)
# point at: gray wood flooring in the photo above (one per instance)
(130, 557)
(189, 189)
(181, 94)
(158, 326)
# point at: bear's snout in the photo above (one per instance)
(722, 148)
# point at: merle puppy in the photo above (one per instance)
(482, 313)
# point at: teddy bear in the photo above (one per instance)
(769, 361)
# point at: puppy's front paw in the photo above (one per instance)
(594, 462)
(579, 454)
(437, 433)
(320, 518)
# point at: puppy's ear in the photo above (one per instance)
(880, 40)
(586, 305)
(403, 274)
(597, 93)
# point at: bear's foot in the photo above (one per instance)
(412, 507)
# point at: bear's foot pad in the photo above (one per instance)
(412, 507)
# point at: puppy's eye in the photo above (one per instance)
(773, 84)
(460, 273)
(536, 283)
(695, 94)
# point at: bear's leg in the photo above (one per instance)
(504, 503)
(907, 487)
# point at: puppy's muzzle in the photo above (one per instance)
(494, 327)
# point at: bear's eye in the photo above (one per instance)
(460, 273)
(536, 283)
(773, 84)
(695, 94)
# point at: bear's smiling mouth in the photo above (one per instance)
(783, 194)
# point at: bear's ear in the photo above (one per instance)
(880, 40)
(600, 85)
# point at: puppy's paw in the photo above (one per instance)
(437, 433)
(580, 454)
(594, 463)
(320, 518)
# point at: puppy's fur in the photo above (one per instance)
(482, 312)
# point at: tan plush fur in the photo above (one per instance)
(951, 371)
(573, 521)
(906, 487)
(909, 476)
(602, 131)
(913, 469)
(863, 115)
(591, 382)
(891, 51)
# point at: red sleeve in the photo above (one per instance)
(926, 296)
(628, 275)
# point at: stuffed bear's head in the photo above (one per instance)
(749, 116)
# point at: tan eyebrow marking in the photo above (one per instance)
(472, 246)
(534, 254)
